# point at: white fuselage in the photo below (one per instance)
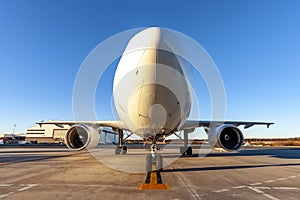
(150, 91)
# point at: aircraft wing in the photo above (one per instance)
(192, 124)
(112, 124)
(189, 124)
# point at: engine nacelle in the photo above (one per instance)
(81, 136)
(226, 136)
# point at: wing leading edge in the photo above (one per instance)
(192, 124)
(112, 124)
(188, 125)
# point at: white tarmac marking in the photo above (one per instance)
(286, 188)
(271, 197)
(259, 189)
(239, 187)
(27, 186)
(281, 179)
(269, 181)
(253, 184)
(263, 188)
(223, 190)
(256, 190)
(3, 195)
(24, 187)
(5, 185)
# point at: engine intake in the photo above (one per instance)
(81, 136)
(227, 137)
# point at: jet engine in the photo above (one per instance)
(81, 136)
(226, 136)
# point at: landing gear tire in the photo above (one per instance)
(117, 150)
(149, 163)
(124, 150)
(159, 163)
(186, 152)
(189, 151)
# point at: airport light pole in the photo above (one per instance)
(14, 129)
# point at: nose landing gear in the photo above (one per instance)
(186, 150)
(154, 159)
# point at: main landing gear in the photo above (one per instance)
(186, 150)
(121, 148)
(154, 159)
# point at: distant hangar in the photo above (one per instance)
(51, 133)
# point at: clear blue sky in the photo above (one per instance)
(255, 44)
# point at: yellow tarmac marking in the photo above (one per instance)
(153, 185)
(162, 186)
(153, 179)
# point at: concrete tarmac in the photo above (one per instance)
(56, 173)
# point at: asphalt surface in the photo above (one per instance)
(46, 172)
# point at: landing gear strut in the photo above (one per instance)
(121, 147)
(186, 150)
(154, 159)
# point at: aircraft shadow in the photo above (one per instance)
(284, 153)
(9, 159)
(229, 167)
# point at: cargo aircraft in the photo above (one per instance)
(152, 98)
